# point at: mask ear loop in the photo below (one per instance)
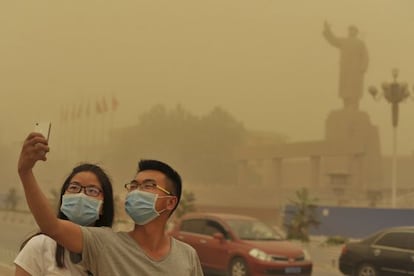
(163, 210)
(101, 208)
(173, 202)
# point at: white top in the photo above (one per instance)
(38, 258)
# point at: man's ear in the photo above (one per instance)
(171, 202)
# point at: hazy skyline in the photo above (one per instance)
(266, 62)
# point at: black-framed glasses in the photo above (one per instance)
(75, 188)
(147, 186)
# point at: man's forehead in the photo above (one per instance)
(150, 175)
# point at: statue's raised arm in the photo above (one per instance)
(329, 35)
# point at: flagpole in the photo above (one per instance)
(114, 107)
(72, 133)
(87, 130)
(104, 121)
(96, 125)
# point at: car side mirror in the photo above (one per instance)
(219, 236)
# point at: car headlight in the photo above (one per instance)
(260, 255)
(306, 255)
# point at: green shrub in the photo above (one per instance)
(335, 240)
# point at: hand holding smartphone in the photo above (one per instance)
(43, 128)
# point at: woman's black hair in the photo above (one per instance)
(107, 216)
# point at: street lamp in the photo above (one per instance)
(395, 93)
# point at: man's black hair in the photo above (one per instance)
(170, 173)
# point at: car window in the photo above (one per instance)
(253, 230)
(410, 241)
(193, 225)
(204, 227)
(402, 240)
(213, 227)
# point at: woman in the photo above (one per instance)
(86, 198)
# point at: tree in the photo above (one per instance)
(219, 135)
(187, 204)
(54, 197)
(12, 199)
(203, 148)
(303, 216)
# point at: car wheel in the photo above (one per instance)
(238, 267)
(366, 270)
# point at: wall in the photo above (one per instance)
(356, 222)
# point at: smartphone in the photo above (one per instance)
(43, 128)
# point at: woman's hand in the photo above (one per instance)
(34, 148)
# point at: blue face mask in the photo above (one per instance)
(140, 206)
(80, 208)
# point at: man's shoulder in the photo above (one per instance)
(106, 234)
(97, 231)
(182, 245)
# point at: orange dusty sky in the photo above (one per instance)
(265, 61)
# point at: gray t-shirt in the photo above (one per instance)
(110, 253)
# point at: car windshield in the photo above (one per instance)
(252, 230)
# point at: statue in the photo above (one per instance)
(352, 65)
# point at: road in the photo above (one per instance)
(16, 227)
(325, 258)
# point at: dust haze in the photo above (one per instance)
(264, 61)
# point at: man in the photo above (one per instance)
(146, 250)
(353, 64)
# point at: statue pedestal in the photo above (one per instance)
(351, 128)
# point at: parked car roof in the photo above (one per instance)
(218, 215)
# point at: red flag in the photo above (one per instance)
(104, 105)
(62, 113)
(98, 107)
(115, 103)
(79, 114)
(88, 109)
(73, 115)
(65, 113)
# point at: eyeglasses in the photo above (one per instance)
(147, 186)
(75, 188)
